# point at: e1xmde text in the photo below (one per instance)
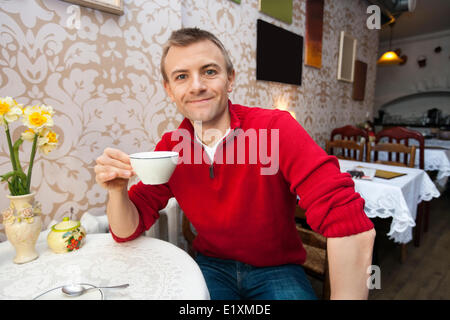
(226, 309)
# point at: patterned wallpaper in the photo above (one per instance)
(102, 79)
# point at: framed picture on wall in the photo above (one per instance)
(359, 83)
(347, 55)
(111, 6)
(279, 9)
(313, 33)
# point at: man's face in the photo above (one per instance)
(198, 82)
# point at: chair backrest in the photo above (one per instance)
(351, 150)
(402, 135)
(349, 132)
(396, 148)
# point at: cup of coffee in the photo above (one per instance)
(154, 167)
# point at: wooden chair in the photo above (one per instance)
(397, 148)
(316, 264)
(403, 135)
(351, 150)
(348, 132)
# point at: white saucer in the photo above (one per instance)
(57, 294)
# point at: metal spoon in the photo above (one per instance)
(75, 290)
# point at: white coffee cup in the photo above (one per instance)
(154, 167)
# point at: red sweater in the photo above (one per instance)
(243, 215)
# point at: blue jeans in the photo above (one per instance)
(234, 280)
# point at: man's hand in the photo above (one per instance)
(113, 170)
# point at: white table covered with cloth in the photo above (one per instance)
(396, 198)
(437, 159)
(154, 269)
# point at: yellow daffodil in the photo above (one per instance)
(28, 135)
(38, 117)
(10, 110)
(47, 141)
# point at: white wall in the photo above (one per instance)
(397, 81)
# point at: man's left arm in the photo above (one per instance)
(349, 259)
(333, 208)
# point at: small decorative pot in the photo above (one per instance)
(23, 224)
(66, 236)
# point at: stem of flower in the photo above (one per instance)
(11, 150)
(30, 168)
(13, 184)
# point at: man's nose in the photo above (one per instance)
(197, 84)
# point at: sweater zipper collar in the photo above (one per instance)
(234, 125)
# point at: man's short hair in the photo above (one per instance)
(187, 36)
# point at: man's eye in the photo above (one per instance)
(210, 72)
(180, 77)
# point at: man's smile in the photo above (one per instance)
(199, 101)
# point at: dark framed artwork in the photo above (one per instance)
(313, 33)
(359, 81)
(279, 54)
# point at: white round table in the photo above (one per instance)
(155, 269)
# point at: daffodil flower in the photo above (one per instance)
(10, 110)
(28, 135)
(47, 141)
(37, 117)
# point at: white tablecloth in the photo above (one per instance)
(437, 143)
(396, 198)
(435, 159)
(155, 269)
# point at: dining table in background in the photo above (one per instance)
(154, 269)
(437, 158)
(395, 198)
(437, 143)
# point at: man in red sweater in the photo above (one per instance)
(240, 173)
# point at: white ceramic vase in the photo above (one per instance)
(23, 225)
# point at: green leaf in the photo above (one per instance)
(16, 147)
(17, 185)
(6, 176)
(11, 189)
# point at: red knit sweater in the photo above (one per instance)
(244, 215)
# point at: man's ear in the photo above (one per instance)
(168, 90)
(231, 78)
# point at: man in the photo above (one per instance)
(242, 206)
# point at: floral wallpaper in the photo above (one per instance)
(100, 73)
